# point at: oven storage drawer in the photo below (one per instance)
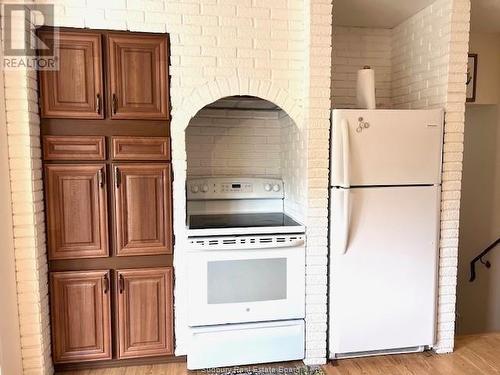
(243, 344)
(243, 286)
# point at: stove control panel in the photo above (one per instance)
(212, 188)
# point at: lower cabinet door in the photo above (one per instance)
(80, 310)
(145, 326)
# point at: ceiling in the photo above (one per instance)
(485, 16)
(377, 13)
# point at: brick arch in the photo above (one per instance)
(224, 87)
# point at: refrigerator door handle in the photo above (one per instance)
(341, 223)
(345, 152)
(346, 207)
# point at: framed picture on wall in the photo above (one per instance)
(471, 77)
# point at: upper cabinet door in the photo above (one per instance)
(76, 211)
(76, 89)
(143, 212)
(138, 76)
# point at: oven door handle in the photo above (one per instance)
(280, 243)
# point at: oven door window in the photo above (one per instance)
(248, 280)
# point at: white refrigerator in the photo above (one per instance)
(384, 230)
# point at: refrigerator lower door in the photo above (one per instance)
(383, 269)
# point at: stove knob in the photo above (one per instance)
(194, 189)
(267, 187)
(204, 188)
(276, 188)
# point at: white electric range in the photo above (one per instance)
(246, 272)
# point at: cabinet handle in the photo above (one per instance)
(118, 178)
(106, 284)
(98, 104)
(114, 104)
(122, 283)
(101, 178)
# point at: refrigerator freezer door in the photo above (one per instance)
(386, 147)
(383, 273)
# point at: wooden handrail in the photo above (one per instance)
(479, 258)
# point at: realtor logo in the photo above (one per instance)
(22, 48)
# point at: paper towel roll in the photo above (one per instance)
(365, 90)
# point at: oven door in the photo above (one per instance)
(234, 285)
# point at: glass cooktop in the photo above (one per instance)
(277, 219)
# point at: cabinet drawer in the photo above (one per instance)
(141, 148)
(74, 148)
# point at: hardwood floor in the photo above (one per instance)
(474, 355)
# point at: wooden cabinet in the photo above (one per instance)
(145, 326)
(143, 212)
(107, 184)
(81, 325)
(75, 90)
(138, 77)
(136, 72)
(76, 210)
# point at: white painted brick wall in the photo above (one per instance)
(317, 116)
(353, 48)
(227, 142)
(293, 167)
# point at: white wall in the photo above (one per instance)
(479, 302)
(487, 46)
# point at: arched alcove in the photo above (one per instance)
(247, 136)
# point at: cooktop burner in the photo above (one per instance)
(274, 219)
